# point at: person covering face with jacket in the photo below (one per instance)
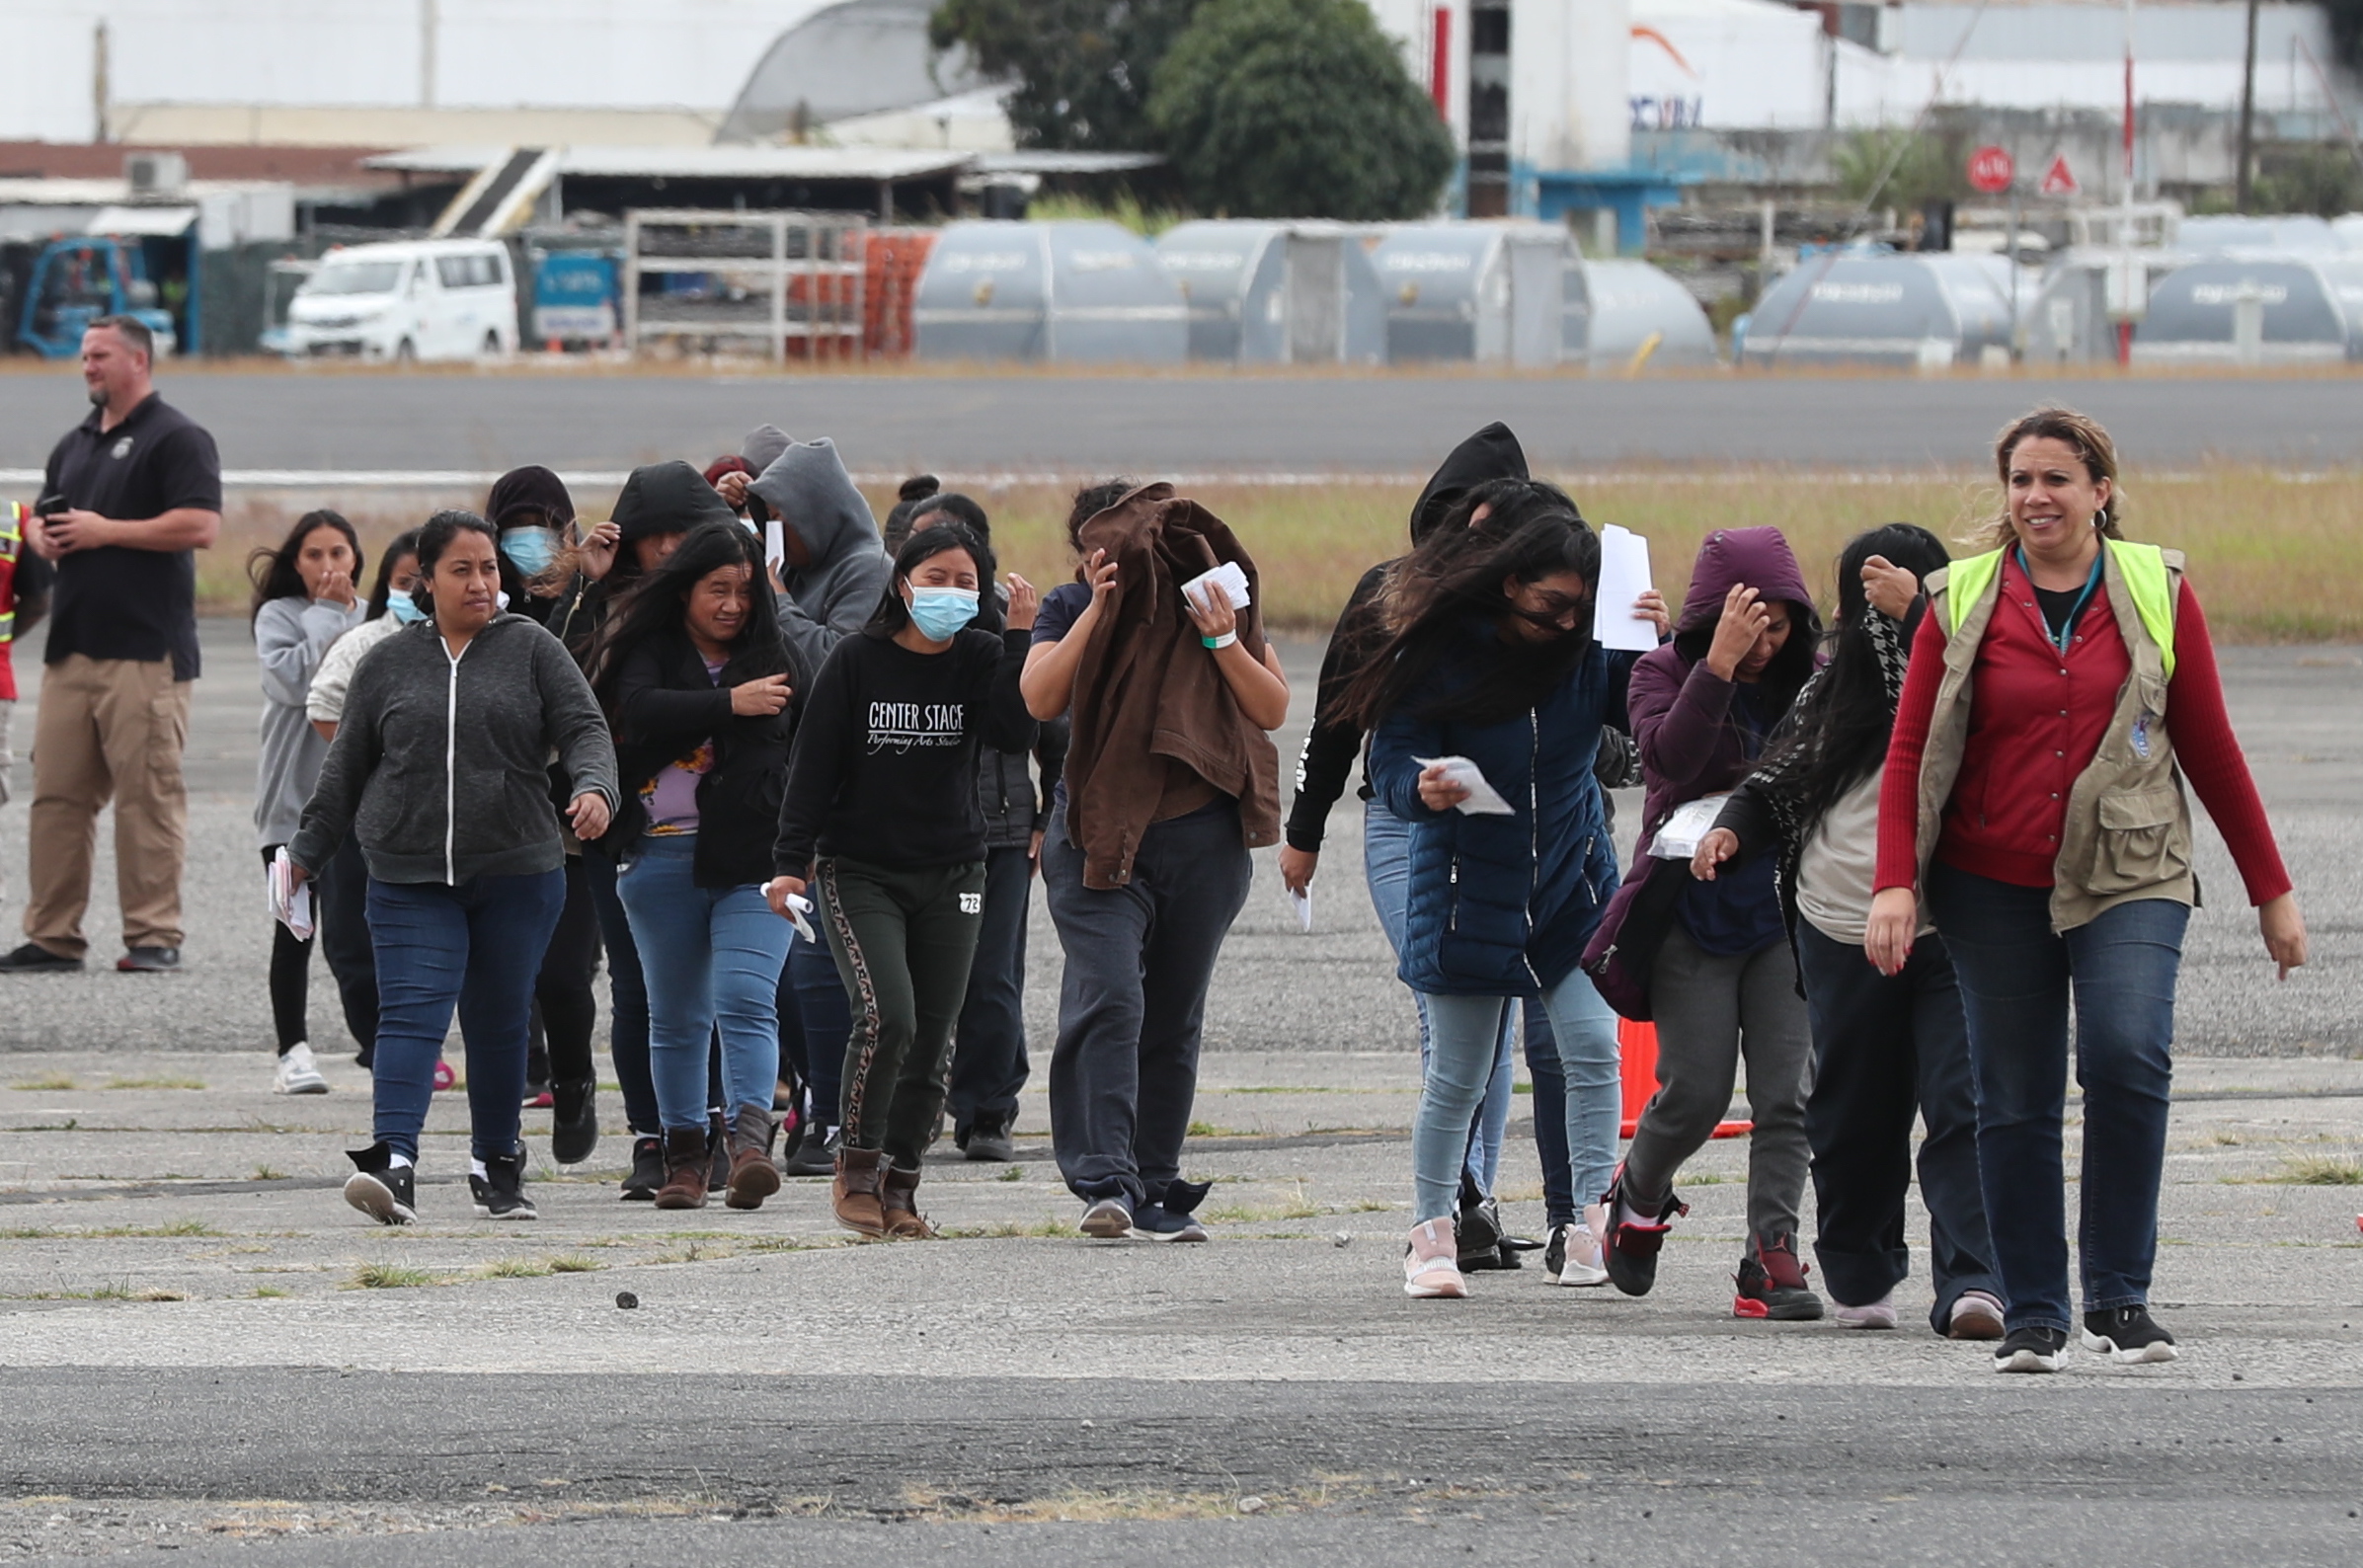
(2062, 686)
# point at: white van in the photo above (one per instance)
(422, 300)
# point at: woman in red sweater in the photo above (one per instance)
(2060, 684)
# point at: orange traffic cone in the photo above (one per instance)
(1636, 1048)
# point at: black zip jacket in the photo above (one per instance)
(666, 707)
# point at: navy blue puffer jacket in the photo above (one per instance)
(1503, 906)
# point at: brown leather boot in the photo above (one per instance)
(898, 1197)
(752, 1177)
(687, 1161)
(854, 1194)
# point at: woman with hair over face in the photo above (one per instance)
(879, 821)
(1886, 1047)
(441, 767)
(1492, 659)
(2062, 686)
(304, 600)
(695, 674)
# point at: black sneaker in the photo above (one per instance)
(34, 959)
(149, 961)
(1770, 1284)
(1629, 1250)
(1108, 1219)
(574, 1120)
(504, 1195)
(379, 1188)
(1170, 1215)
(2128, 1336)
(816, 1154)
(988, 1141)
(648, 1171)
(2030, 1349)
(1479, 1231)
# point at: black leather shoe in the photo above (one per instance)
(148, 961)
(574, 1120)
(34, 959)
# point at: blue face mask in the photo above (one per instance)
(405, 609)
(940, 612)
(531, 549)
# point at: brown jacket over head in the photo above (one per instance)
(1147, 693)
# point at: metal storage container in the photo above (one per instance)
(1614, 307)
(1074, 292)
(1906, 310)
(1491, 293)
(2296, 310)
(1277, 293)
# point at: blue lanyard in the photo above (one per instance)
(2067, 631)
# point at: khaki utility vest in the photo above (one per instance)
(2127, 831)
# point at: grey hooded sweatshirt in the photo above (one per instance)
(834, 595)
(440, 764)
(292, 636)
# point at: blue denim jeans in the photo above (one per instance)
(711, 955)
(827, 1020)
(2019, 981)
(1387, 866)
(1461, 1064)
(1576, 1118)
(476, 947)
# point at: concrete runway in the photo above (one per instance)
(1198, 423)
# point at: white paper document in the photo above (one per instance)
(1484, 799)
(1229, 576)
(290, 901)
(1300, 902)
(776, 545)
(1678, 838)
(800, 907)
(1624, 578)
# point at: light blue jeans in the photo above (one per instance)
(710, 956)
(1386, 865)
(1463, 1062)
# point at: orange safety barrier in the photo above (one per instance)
(1636, 1050)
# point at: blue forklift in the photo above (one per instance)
(73, 282)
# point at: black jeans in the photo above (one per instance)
(1123, 1073)
(988, 1048)
(564, 1007)
(2019, 981)
(627, 999)
(1883, 1048)
(342, 901)
(825, 1022)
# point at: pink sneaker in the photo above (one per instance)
(445, 1077)
(1432, 1262)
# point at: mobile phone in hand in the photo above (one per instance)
(51, 506)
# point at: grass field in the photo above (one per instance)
(2276, 558)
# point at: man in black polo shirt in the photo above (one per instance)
(142, 491)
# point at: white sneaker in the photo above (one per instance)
(299, 1073)
(1432, 1262)
(1871, 1314)
(1573, 1257)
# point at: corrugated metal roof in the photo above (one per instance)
(697, 163)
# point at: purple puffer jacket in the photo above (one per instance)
(1681, 716)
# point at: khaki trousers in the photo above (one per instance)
(108, 729)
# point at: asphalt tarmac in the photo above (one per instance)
(1154, 424)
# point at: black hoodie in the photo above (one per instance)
(1330, 747)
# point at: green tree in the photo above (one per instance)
(1083, 67)
(1296, 109)
(1918, 167)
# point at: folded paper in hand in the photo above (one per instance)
(1300, 902)
(1229, 576)
(1624, 578)
(290, 901)
(1678, 838)
(798, 908)
(1484, 799)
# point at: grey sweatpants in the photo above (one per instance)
(1711, 1010)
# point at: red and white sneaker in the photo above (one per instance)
(1629, 1249)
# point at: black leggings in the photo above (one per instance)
(564, 1014)
(290, 977)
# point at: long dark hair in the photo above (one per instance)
(402, 544)
(1445, 602)
(893, 615)
(658, 604)
(1835, 735)
(274, 573)
(1092, 500)
(435, 537)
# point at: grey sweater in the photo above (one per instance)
(442, 764)
(292, 636)
(834, 595)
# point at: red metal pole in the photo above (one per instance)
(1440, 64)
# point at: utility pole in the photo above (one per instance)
(2244, 186)
(102, 95)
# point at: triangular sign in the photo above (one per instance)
(2058, 179)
